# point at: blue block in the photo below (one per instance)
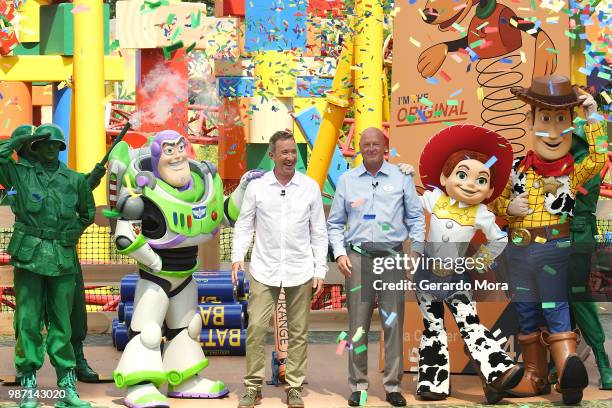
(235, 86)
(309, 121)
(61, 115)
(276, 25)
(313, 87)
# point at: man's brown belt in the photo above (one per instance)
(525, 236)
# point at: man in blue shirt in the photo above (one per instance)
(375, 209)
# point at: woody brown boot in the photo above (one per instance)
(535, 359)
(572, 376)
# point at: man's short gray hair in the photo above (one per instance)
(280, 135)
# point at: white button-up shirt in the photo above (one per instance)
(290, 233)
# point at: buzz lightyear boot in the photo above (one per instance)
(69, 396)
(141, 370)
(183, 360)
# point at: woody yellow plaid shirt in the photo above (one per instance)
(538, 216)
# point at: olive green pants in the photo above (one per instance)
(262, 303)
(38, 296)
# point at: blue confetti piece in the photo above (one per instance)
(490, 162)
(422, 115)
(550, 87)
(506, 60)
(432, 80)
(393, 152)
(369, 216)
(36, 196)
(390, 319)
(11, 192)
(457, 92)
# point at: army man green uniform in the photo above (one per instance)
(52, 206)
(582, 232)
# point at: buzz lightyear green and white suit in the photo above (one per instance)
(161, 226)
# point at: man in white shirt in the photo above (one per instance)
(285, 209)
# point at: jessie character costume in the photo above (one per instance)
(453, 224)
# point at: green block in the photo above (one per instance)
(258, 158)
(57, 29)
(27, 49)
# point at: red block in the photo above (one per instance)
(225, 8)
(162, 91)
(325, 8)
(232, 145)
(8, 41)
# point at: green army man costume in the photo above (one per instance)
(78, 317)
(52, 206)
(582, 232)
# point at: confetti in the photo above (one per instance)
(520, 288)
(422, 115)
(457, 92)
(582, 190)
(490, 162)
(358, 334)
(358, 202)
(426, 102)
(578, 289)
(555, 231)
(452, 102)
(369, 216)
(523, 57)
(356, 288)
(542, 134)
(361, 349)
(364, 395)
(480, 93)
(395, 87)
(564, 244)
(390, 319)
(549, 270)
(548, 305)
(506, 60)
(540, 240)
(340, 348)
(341, 336)
(457, 27)
(563, 218)
(415, 42)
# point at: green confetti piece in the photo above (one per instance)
(448, 123)
(570, 34)
(170, 18)
(548, 305)
(358, 334)
(563, 218)
(356, 288)
(426, 102)
(476, 43)
(603, 75)
(520, 288)
(564, 244)
(385, 226)
(517, 240)
(552, 50)
(452, 102)
(411, 118)
(361, 349)
(549, 270)
(195, 20)
(458, 27)
(190, 48)
(533, 5)
(363, 398)
(578, 289)
(341, 336)
(555, 231)
(438, 113)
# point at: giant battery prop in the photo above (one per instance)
(216, 315)
(242, 285)
(211, 289)
(214, 342)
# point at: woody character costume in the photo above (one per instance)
(537, 202)
(463, 166)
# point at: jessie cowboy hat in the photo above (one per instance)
(549, 92)
(466, 137)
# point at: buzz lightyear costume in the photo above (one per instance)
(161, 226)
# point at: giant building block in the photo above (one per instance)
(140, 26)
(302, 104)
(326, 8)
(29, 26)
(269, 115)
(57, 29)
(313, 87)
(232, 139)
(275, 72)
(228, 87)
(229, 8)
(276, 25)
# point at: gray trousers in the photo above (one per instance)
(360, 308)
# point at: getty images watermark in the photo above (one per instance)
(432, 273)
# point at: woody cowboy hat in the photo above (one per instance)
(549, 92)
(466, 137)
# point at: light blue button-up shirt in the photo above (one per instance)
(383, 208)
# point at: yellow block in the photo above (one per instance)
(300, 104)
(29, 27)
(269, 116)
(276, 73)
(140, 26)
(323, 67)
(28, 68)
